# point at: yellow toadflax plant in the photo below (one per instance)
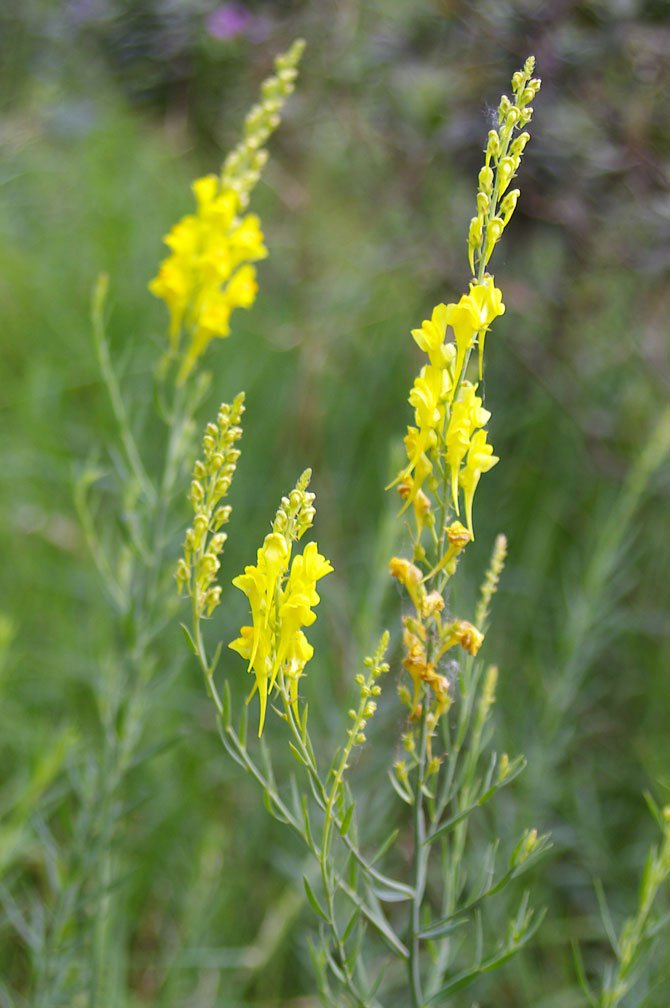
(383, 938)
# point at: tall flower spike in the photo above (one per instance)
(209, 272)
(212, 476)
(281, 597)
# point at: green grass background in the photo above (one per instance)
(107, 113)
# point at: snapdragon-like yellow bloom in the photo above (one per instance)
(467, 414)
(471, 318)
(280, 606)
(480, 459)
(208, 274)
(431, 338)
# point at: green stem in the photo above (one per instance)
(116, 399)
(420, 864)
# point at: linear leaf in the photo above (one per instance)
(314, 901)
(399, 789)
(346, 821)
(298, 755)
(189, 639)
(442, 928)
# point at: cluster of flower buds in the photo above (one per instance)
(369, 689)
(495, 205)
(243, 166)
(212, 476)
(296, 512)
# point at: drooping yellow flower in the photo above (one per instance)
(480, 459)
(467, 414)
(471, 317)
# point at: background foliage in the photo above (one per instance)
(108, 110)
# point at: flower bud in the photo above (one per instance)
(182, 575)
(512, 117)
(493, 145)
(518, 144)
(508, 204)
(196, 494)
(483, 202)
(217, 542)
(486, 179)
(212, 599)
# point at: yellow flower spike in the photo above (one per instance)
(480, 460)
(275, 645)
(208, 274)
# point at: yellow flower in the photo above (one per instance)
(430, 338)
(471, 317)
(480, 459)
(467, 413)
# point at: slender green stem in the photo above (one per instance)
(115, 396)
(420, 865)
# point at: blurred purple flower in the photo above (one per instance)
(228, 20)
(82, 11)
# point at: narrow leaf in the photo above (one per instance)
(346, 821)
(298, 755)
(313, 900)
(442, 928)
(189, 639)
(399, 789)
